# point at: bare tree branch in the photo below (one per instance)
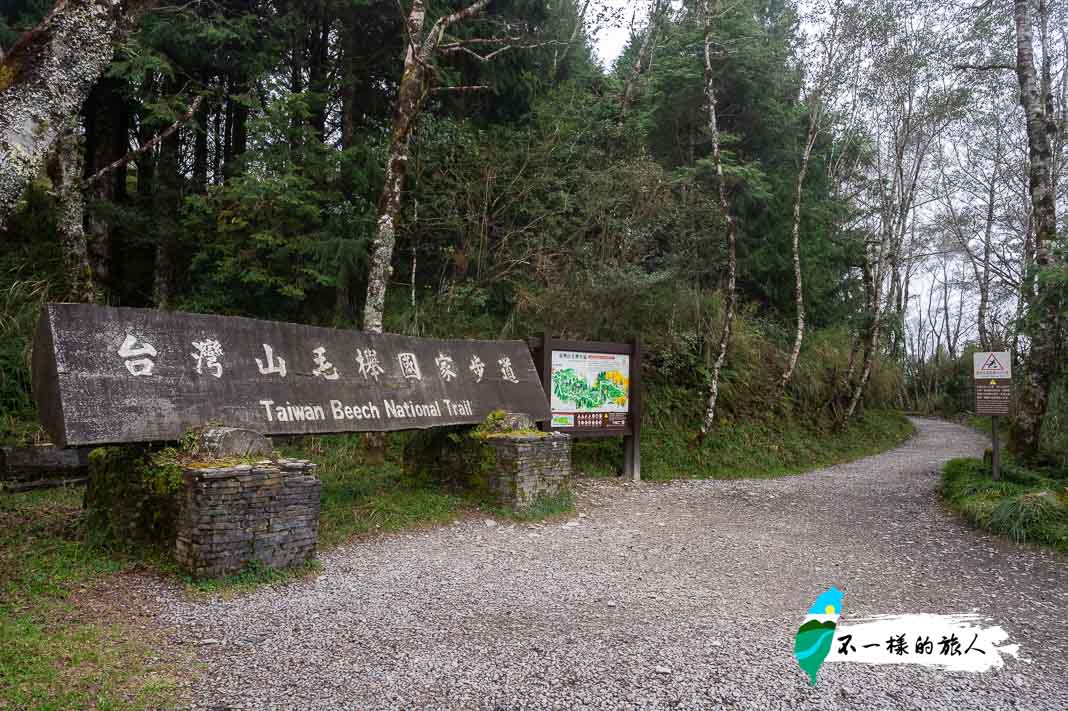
(184, 118)
(462, 47)
(460, 89)
(985, 67)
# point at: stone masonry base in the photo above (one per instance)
(267, 513)
(529, 467)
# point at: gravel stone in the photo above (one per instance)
(465, 617)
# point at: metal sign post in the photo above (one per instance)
(992, 374)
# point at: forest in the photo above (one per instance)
(808, 211)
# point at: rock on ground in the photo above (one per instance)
(709, 580)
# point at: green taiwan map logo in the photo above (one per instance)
(816, 636)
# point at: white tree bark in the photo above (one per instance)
(415, 85)
(731, 227)
(65, 170)
(1042, 363)
(799, 292)
(641, 59)
(826, 81)
(44, 80)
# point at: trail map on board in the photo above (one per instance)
(590, 389)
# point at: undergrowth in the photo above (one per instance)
(752, 447)
(1028, 505)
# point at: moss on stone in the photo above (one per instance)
(134, 490)
(132, 494)
(451, 456)
(7, 74)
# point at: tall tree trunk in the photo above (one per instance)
(560, 55)
(349, 38)
(218, 145)
(107, 128)
(146, 161)
(871, 337)
(731, 227)
(65, 169)
(228, 133)
(236, 131)
(168, 200)
(410, 97)
(343, 312)
(984, 278)
(240, 127)
(414, 87)
(45, 79)
(799, 293)
(319, 57)
(1042, 361)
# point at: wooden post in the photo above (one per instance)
(547, 365)
(632, 456)
(545, 369)
(996, 458)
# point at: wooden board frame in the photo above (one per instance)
(542, 348)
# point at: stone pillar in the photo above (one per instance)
(504, 459)
(529, 467)
(267, 512)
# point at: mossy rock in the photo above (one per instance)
(132, 494)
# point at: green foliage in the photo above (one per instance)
(455, 458)
(1028, 505)
(495, 422)
(1055, 425)
(275, 240)
(132, 495)
(29, 276)
(765, 447)
(20, 302)
(17, 16)
(945, 387)
(360, 497)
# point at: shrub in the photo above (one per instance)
(1027, 505)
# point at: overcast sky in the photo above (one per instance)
(611, 40)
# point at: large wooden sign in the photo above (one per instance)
(110, 375)
(992, 374)
(594, 388)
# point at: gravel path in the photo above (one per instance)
(706, 581)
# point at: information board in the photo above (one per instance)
(589, 390)
(992, 373)
(594, 390)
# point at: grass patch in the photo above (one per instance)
(756, 449)
(52, 656)
(544, 507)
(253, 576)
(1027, 505)
(361, 495)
